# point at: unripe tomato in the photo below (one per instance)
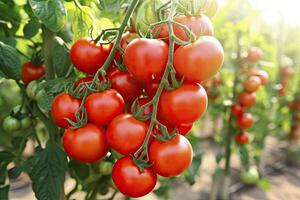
(130, 180)
(11, 124)
(183, 105)
(31, 72)
(250, 177)
(146, 58)
(252, 84)
(125, 134)
(237, 110)
(247, 99)
(245, 121)
(105, 168)
(102, 107)
(64, 106)
(33, 91)
(242, 138)
(86, 144)
(254, 54)
(87, 56)
(25, 123)
(200, 60)
(171, 158)
(286, 71)
(263, 75)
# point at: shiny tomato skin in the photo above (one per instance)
(125, 134)
(126, 84)
(247, 99)
(146, 58)
(171, 158)
(200, 60)
(130, 180)
(87, 56)
(31, 72)
(86, 144)
(151, 88)
(183, 105)
(242, 138)
(102, 107)
(245, 121)
(126, 39)
(263, 75)
(237, 110)
(64, 106)
(252, 84)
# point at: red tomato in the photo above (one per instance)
(184, 129)
(126, 39)
(86, 144)
(148, 110)
(146, 58)
(200, 60)
(237, 110)
(126, 84)
(87, 56)
(183, 105)
(102, 107)
(252, 84)
(242, 138)
(31, 72)
(247, 99)
(125, 134)
(151, 88)
(245, 121)
(264, 77)
(286, 71)
(87, 79)
(130, 180)
(171, 158)
(64, 106)
(254, 54)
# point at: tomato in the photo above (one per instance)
(64, 106)
(31, 72)
(245, 121)
(237, 110)
(105, 168)
(208, 8)
(25, 123)
(86, 144)
(183, 105)
(87, 79)
(102, 107)
(286, 71)
(294, 135)
(126, 84)
(171, 158)
(148, 110)
(242, 138)
(250, 177)
(200, 60)
(126, 39)
(34, 92)
(263, 75)
(130, 180)
(146, 58)
(125, 134)
(252, 84)
(11, 124)
(151, 88)
(184, 129)
(87, 56)
(247, 99)
(254, 54)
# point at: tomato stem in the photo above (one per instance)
(48, 37)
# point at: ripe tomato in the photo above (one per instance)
(130, 180)
(200, 60)
(242, 138)
(126, 39)
(86, 144)
(87, 56)
(126, 84)
(245, 121)
(102, 107)
(31, 72)
(148, 110)
(183, 105)
(237, 110)
(254, 54)
(64, 106)
(184, 129)
(146, 58)
(286, 71)
(263, 75)
(171, 158)
(252, 84)
(151, 88)
(125, 134)
(247, 99)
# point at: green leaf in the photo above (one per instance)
(6, 157)
(82, 21)
(14, 172)
(191, 173)
(51, 12)
(31, 28)
(61, 57)
(264, 184)
(47, 172)
(10, 64)
(4, 189)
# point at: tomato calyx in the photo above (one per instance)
(141, 163)
(137, 110)
(37, 58)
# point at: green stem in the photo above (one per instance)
(48, 37)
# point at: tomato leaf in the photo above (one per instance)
(6, 157)
(47, 171)
(61, 57)
(31, 28)
(82, 21)
(51, 12)
(14, 172)
(4, 189)
(10, 64)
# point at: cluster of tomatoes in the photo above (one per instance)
(286, 73)
(295, 109)
(246, 99)
(110, 123)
